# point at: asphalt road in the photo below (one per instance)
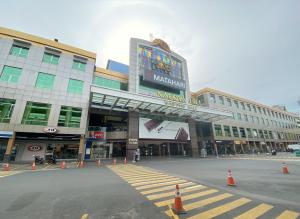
(258, 179)
(101, 193)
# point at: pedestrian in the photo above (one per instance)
(136, 155)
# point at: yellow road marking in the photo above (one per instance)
(142, 176)
(170, 213)
(186, 197)
(8, 173)
(161, 189)
(85, 216)
(160, 184)
(255, 212)
(288, 215)
(47, 166)
(147, 178)
(221, 209)
(207, 201)
(167, 194)
(154, 181)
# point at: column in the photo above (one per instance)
(169, 151)
(234, 148)
(194, 139)
(10, 145)
(133, 134)
(81, 148)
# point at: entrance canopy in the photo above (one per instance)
(116, 100)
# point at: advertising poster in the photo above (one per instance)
(163, 129)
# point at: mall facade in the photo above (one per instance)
(53, 99)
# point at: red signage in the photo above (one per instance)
(34, 148)
(99, 135)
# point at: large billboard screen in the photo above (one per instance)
(163, 129)
(158, 66)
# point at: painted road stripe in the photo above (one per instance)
(207, 201)
(141, 176)
(221, 209)
(255, 212)
(147, 178)
(186, 197)
(161, 189)
(149, 182)
(85, 216)
(160, 184)
(167, 194)
(288, 215)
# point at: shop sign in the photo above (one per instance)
(133, 141)
(99, 135)
(50, 130)
(5, 134)
(237, 142)
(164, 79)
(34, 148)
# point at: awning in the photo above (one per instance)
(111, 99)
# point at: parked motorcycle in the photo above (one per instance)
(38, 159)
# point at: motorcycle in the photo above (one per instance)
(38, 159)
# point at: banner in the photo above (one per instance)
(163, 129)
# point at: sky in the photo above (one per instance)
(247, 48)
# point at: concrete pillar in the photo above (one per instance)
(133, 134)
(234, 148)
(10, 145)
(81, 148)
(242, 147)
(193, 136)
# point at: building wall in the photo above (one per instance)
(25, 90)
(281, 125)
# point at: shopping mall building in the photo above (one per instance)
(53, 99)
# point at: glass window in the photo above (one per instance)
(114, 84)
(269, 112)
(75, 86)
(259, 109)
(255, 133)
(45, 81)
(229, 102)
(11, 74)
(69, 117)
(243, 105)
(227, 131)
(236, 103)
(257, 119)
(254, 109)
(263, 121)
(266, 134)
(267, 122)
(249, 133)
(19, 51)
(201, 99)
(221, 100)
(243, 133)
(235, 132)
(246, 117)
(249, 107)
(212, 98)
(251, 118)
(218, 130)
(261, 134)
(270, 135)
(233, 116)
(79, 65)
(239, 116)
(50, 58)
(36, 114)
(264, 111)
(6, 109)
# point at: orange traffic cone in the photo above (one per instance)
(284, 169)
(98, 162)
(115, 161)
(6, 167)
(230, 180)
(62, 165)
(81, 164)
(33, 166)
(177, 206)
(125, 161)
